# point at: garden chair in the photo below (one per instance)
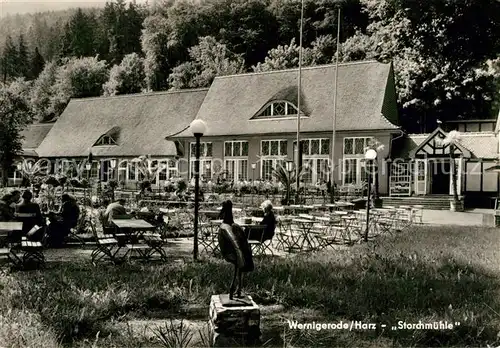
(259, 247)
(106, 247)
(26, 253)
(156, 244)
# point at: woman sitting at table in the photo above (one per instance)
(29, 214)
(61, 223)
(269, 222)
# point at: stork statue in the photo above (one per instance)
(235, 249)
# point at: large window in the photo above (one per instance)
(354, 171)
(236, 160)
(315, 157)
(356, 146)
(278, 109)
(205, 160)
(273, 154)
(162, 170)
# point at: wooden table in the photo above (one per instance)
(133, 225)
(11, 226)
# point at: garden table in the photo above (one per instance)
(7, 229)
(135, 226)
(305, 232)
(10, 226)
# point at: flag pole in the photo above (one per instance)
(332, 168)
(299, 87)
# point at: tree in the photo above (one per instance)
(79, 35)
(15, 115)
(78, 78)
(248, 27)
(287, 56)
(37, 64)
(429, 44)
(210, 58)
(42, 93)
(22, 58)
(9, 60)
(128, 77)
(154, 43)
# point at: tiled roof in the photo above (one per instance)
(143, 120)
(363, 87)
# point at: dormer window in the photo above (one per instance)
(105, 140)
(278, 109)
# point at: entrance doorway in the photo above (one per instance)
(441, 177)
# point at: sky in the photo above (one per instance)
(31, 6)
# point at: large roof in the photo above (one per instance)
(33, 136)
(137, 122)
(481, 144)
(364, 89)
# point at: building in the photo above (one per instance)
(252, 128)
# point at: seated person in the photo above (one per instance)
(7, 205)
(114, 210)
(269, 222)
(62, 222)
(29, 214)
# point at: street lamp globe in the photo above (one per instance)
(289, 166)
(88, 166)
(370, 154)
(112, 163)
(19, 166)
(198, 127)
(254, 165)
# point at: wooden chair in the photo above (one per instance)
(259, 246)
(106, 247)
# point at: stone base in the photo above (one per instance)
(236, 301)
(234, 325)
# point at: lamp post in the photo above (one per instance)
(289, 169)
(88, 166)
(254, 165)
(198, 128)
(112, 164)
(370, 157)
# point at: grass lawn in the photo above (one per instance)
(426, 273)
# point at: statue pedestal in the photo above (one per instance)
(234, 321)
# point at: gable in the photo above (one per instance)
(433, 146)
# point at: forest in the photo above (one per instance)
(445, 52)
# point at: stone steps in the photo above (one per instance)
(435, 203)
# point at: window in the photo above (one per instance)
(105, 140)
(356, 146)
(354, 171)
(315, 158)
(273, 154)
(278, 109)
(205, 160)
(163, 169)
(122, 171)
(236, 160)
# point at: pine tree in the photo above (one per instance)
(22, 58)
(37, 64)
(9, 60)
